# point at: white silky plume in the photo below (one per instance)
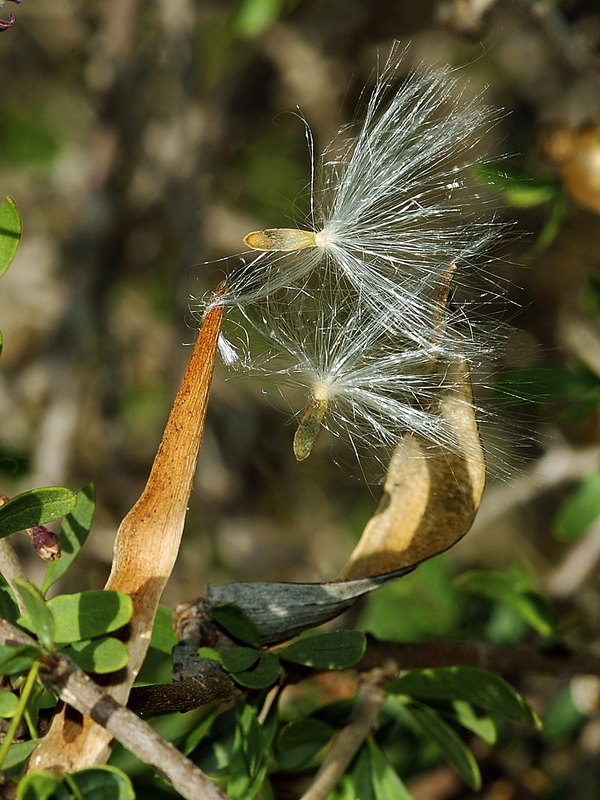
(391, 207)
(356, 307)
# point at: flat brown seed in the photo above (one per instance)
(280, 239)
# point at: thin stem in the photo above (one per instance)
(23, 700)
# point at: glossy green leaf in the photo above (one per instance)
(106, 654)
(36, 507)
(532, 607)
(10, 232)
(262, 676)
(580, 510)
(85, 615)
(337, 650)
(8, 703)
(39, 618)
(103, 783)
(18, 753)
(250, 755)
(238, 659)
(200, 731)
(15, 660)
(72, 535)
(475, 685)
(237, 624)
(374, 778)
(480, 724)
(94, 783)
(164, 637)
(9, 608)
(38, 786)
(299, 742)
(451, 746)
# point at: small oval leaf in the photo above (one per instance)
(238, 624)
(39, 618)
(239, 659)
(88, 614)
(14, 660)
(36, 507)
(337, 650)
(10, 232)
(72, 535)
(8, 703)
(103, 783)
(98, 655)
(38, 786)
(265, 674)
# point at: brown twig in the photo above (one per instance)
(362, 723)
(65, 680)
(393, 656)
(145, 550)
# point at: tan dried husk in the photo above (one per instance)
(431, 494)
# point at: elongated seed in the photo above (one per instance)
(309, 428)
(280, 239)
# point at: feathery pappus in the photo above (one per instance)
(356, 304)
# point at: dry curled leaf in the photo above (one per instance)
(430, 495)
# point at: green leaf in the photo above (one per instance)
(548, 383)
(8, 703)
(10, 232)
(262, 676)
(481, 725)
(452, 747)
(164, 637)
(250, 756)
(580, 510)
(94, 783)
(239, 659)
(532, 607)
(36, 507)
(9, 608)
(255, 16)
(37, 786)
(200, 731)
(299, 742)
(337, 650)
(102, 783)
(85, 615)
(103, 655)
(18, 753)
(519, 190)
(475, 685)
(72, 535)
(39, 617)
(374, 778)
(15, 660)
(237, 624)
